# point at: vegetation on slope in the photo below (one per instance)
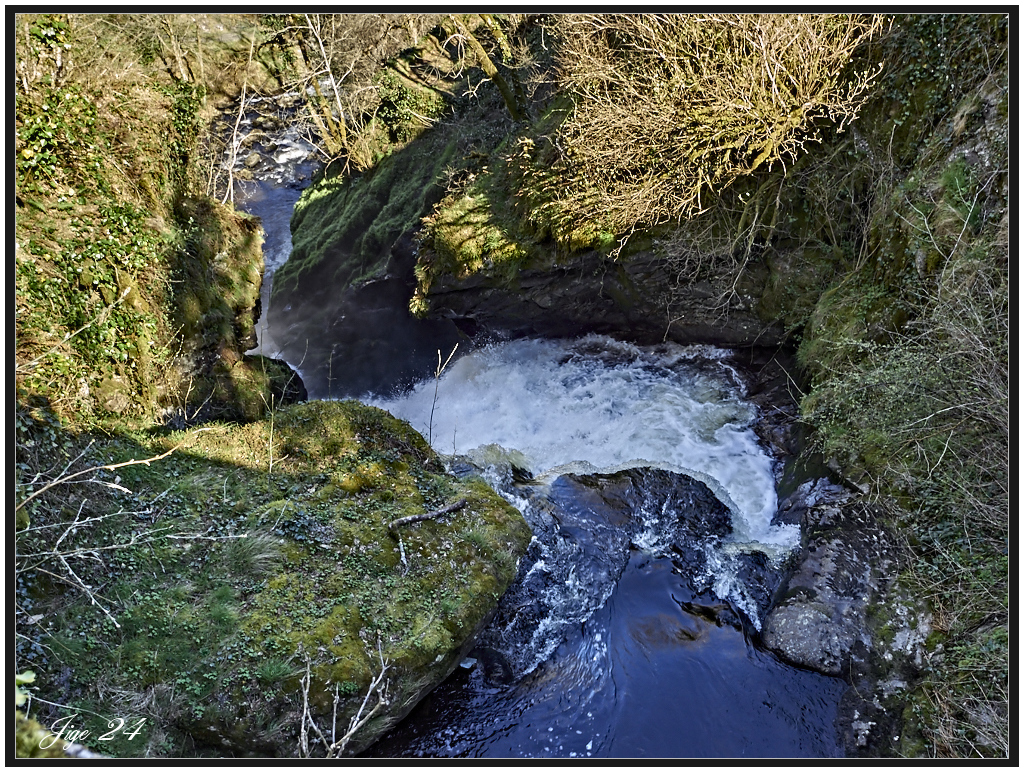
(425, 120)
(885, 240)
(134, 289)
(200, 586)
(878, 214)
(229, 588)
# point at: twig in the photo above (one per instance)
(401, 551)
(270, 445)
(100, 317)
(436, 513)
(437, 382)
(68, 478)
(230, 192)
(358, 720)
(335, 748)
(303, 736)
(88, 591)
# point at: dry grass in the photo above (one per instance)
(670, 109)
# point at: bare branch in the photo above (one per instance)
(378, 686)
(455, 507)
(69, 478)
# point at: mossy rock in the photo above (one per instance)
(292, 563)
(343, 228)
(34, 741)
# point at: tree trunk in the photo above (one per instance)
(490, 70)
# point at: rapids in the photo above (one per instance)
(601, 405)
(631, 629)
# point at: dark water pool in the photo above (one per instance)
(650, 675)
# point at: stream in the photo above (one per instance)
(631, 629)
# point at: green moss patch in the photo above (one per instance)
(232, 576)
(343, 228)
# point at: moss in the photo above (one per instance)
(34, 741)
(466, 236)
(344, 228)
(290, 564)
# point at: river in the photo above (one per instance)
(631, 630)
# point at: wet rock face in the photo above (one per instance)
(842, 569)
(584, 529)
(592, 293)
(358, 339)
(841, 613)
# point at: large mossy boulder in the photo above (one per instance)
(261, 575)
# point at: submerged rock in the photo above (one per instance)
(585, 527)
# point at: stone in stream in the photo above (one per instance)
(827, 617)
(584, 528)
(821, 619)
(821, 616)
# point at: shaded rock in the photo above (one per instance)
(252, 138)
(585, 527)
(112, 394)
(843, 568)
(268, 122)
(807, 633)
(359, 338)
(591, 293)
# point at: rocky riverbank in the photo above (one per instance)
(854, 271)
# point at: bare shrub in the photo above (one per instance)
(339, 57)
(928, 417)
(672, 108)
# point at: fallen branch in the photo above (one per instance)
(110, 467)
(436, 513)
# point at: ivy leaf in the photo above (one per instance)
(20, 679)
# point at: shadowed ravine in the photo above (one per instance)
(632, 628)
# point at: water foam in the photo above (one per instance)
(600, 405)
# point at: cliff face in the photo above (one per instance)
(590, 292)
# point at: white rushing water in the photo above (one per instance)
(600, 405)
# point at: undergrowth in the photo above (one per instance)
(131, 285)
(908, 357)
(195, 586)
